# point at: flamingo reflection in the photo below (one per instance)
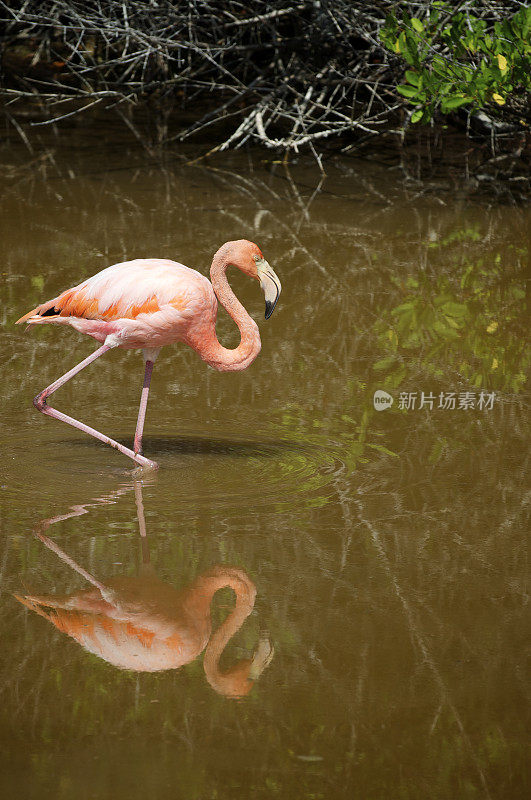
(144, 624)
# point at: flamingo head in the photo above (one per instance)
(238, 681)
(248, 257)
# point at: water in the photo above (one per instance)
(387, 548)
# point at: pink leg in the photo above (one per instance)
(71, 563)
(142, 523)
(40, 403)
(106, 592)
(143, 406)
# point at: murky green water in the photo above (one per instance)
(387, 548)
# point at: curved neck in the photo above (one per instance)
(210, 348)
(234, 682)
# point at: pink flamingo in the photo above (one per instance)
(144, 624)
(150, 302)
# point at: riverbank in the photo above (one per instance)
(441, 163)
(292, 78)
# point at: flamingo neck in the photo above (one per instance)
(212, 351)
(233, 682)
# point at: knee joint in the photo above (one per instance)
(39, 401)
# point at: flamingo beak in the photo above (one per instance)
(262, 658)
(270, 285)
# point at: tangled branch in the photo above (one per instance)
(285, 74)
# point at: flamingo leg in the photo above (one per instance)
(41, 404)
(142, 524)
(142, 410)
(71, 563)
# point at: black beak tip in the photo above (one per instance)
(270, 307)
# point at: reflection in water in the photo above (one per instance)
(144, 624)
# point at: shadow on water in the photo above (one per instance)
(196, 445)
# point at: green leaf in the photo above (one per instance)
(417, 115)
(417, 24)
(401, 43)
(385, 363)
(408, 44)
(454, 102)
(436, 450)
(442, 329)
(382, 449)
(412, 77)
(452, 322)
(452, 309)
(408, 306)
(407, 91)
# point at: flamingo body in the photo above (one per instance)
(145, 625)
(150, 302)
(145, 303)
(142, 623)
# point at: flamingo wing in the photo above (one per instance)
(125, 290)
(144, 642)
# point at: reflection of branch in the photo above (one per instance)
(251, 186)
(418, 636)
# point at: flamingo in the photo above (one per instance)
(150, 302)
(144, 624)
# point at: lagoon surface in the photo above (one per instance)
(387, 548)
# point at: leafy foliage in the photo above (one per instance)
(285, 75)
(466, 322)
(459, 59)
